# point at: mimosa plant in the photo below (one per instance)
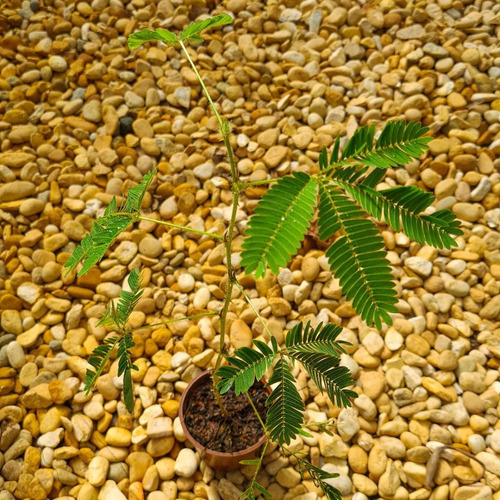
(343, 197)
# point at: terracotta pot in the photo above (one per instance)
(216, 459)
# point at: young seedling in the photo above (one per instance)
(343, 197)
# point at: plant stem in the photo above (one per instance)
(250, 303)
(225, 130)
(256, 412)
(175, 320)
(182, 228)
(202, 83)
(244, 185)
(258, 467)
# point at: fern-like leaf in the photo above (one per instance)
(245, 366)
(279, 224)
(398, 143)
(192, 32)
(125, 367)
(401, 208)
(128, 300)
(249, 494)
(326, 373)
(118, 315)
(361, 141)
(320, 339)
(100, 356)
(320, 477)
(135, 40)
(136, 194)
(286, 412)
(107, 228)
(357, 258)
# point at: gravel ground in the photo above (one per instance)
(82, 119)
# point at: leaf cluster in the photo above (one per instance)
(318, 349)
(107, 228)
(190, 34)
(343, 198)
(117, 317)
(343, 195)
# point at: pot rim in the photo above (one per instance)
(203, 449)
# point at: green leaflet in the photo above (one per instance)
(398, 144)
(98, 360)
(118, 315)
(286, 412)
(357, 257)
(320, 339)
(245, 366)
(136, 39)
(279, 224)
(320, 478)
(124, 368)
(191, 33)
(102, 353)
(326, 373)
(107, 228)
(248, 494)
(401, 208)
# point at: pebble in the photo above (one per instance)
(418, 265)
(186, 282)
(240, 334)
(97, 471)
(186, 463)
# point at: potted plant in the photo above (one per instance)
(339, 198)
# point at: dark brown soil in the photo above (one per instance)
(206, 424)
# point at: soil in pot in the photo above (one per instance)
(209, 427)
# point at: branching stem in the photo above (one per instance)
(251, 304)
(225, 130)
(244, 185)
(175, 320)
(182, 228)
(256, 413)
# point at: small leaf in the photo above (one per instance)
(320, 477)
(136, 39)
(128, 391)
(279, 224)
(302, 432)
(261, 488)
(98, 360)
(255, 461)
(193, 30)
(286, 409)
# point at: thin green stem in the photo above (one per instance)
(225, 130)
(202, 83)
(244, 185)
(176, 320)
(335, 166)
(182, 228)
(262, 455)
(250, 303)
(256, 413)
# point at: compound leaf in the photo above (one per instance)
(279, 224)
(286, 412)
(192, 32)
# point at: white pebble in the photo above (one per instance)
(186, 463)
(186, 282)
